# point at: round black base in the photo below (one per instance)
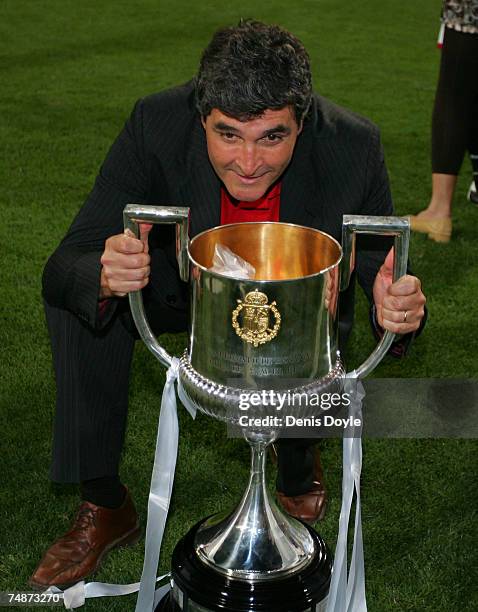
(201, 585)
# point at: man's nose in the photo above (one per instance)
(248, 160)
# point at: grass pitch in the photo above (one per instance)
(70, 74)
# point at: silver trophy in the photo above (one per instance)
(246, 336)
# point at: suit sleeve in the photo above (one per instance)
(71, 279)
(377, 200)
(372, 250)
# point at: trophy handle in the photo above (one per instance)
(134, 214)
(399, 227)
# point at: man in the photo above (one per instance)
(246, 140)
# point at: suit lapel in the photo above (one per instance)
(301, 200)
(298, 193)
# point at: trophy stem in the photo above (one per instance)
(257, 541)
(257, 478)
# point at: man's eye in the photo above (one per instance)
(228, 136)
(273, 138)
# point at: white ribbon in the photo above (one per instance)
(348, 594)
(75, 596)
(161, 488)
(161, 484)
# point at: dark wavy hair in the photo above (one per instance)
(249, 68)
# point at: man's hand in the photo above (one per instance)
(125, 262)
(399, 305)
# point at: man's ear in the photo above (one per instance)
(203, 121)
(301, 125)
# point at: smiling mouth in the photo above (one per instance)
(248, 179)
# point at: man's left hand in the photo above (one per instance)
(400, 306)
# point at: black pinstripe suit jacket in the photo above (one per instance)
(160, 157)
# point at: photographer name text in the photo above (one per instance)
(292, 421)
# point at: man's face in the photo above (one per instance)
(248, 156)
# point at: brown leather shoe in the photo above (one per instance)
(79, 552)
(308, 507)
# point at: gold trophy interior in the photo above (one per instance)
(278, 251)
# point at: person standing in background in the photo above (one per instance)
(455, 117)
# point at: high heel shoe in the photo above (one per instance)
(438, 230)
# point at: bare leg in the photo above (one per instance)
(435, 220)
(443, 187)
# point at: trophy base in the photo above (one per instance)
(197, 587)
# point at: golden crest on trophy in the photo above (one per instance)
(256, 318)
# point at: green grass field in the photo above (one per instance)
(71, 71)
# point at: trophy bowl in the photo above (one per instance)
(274, 333)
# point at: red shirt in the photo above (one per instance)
(263, 209)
